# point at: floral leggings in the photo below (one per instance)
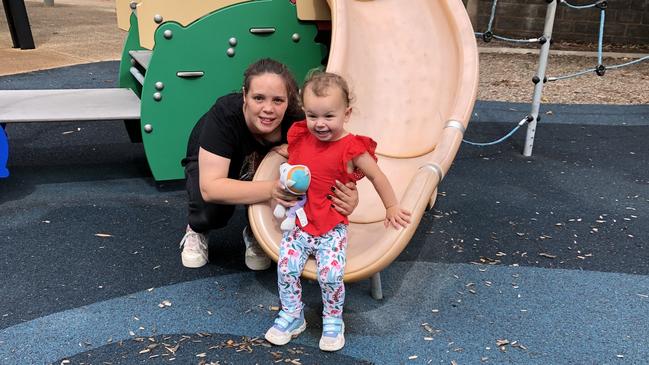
(329, 251)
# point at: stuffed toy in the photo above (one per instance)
(296, 180)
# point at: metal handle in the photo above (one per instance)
(137, 74)
(190, 74)
(262, 30)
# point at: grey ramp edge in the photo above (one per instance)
(141, 57)
(68, 105)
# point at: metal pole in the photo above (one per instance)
(540, 76)
(11, 23)
(472, 10)
(18, 21)
(375, 286)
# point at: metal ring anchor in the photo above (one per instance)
(436, 168)
(455, 124)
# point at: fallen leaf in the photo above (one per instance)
(550, 256)
(172, 349)
(518, 345)
(164, 303)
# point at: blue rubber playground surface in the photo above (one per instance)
(539, 260)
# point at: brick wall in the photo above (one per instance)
(627, 21)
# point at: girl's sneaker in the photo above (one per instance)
(286, 327)
(333, 334)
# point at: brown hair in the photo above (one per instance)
(320, 81)
(269, 65)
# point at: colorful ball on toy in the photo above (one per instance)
(298, 178)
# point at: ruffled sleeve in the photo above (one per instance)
(296, 134)
(357, 146)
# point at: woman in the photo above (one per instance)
(226, 146)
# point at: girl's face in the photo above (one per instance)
(264, 105)
(326, 115)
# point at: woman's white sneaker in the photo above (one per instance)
(256, 259)
(194, 246)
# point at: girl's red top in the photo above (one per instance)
(327, 162)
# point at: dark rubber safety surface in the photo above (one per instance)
(539, 260)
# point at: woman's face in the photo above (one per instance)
(264, 105)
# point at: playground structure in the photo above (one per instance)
(164, 89)
(540, 78)
(418, 128)
(178, 59)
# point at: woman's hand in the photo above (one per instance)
(345, 197)
(282, 150)
(282, 196)
(396, 217)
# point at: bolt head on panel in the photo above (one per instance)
(230, 52)
(157, 96)
(168, 34)
(148, 128)
(295, 37)
(158, 18)
(232, 41)
(159, 85)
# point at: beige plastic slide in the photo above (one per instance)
(413, 69)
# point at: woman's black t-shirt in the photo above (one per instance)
(223, 131)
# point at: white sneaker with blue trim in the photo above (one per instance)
(286, 328)
(333, 334)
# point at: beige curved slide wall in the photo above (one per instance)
(413, 69)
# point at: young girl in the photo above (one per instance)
(332, 154)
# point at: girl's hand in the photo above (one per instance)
(282, 196)
(344, 198)
(396, 217)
